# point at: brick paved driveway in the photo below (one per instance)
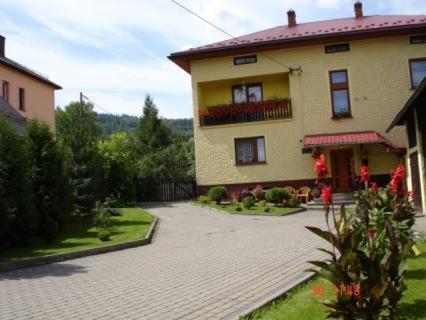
(201, 265)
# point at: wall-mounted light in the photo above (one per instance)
(298, 70)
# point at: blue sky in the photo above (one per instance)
(116, 51)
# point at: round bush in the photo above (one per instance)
(218, 193)
(203, 199)
(267, 209)
(238, 208)
(104, 235)
(277, 195)
(248, 202)
(293, 202)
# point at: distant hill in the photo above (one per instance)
(125, 123)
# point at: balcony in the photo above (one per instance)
(272, 109)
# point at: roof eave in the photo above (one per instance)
(183, 58)
(399, 119)
(46, 81)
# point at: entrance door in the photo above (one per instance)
(415, 179)
(342, 170)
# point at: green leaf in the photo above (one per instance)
(328, 236)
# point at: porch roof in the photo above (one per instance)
(413, 101)
(356, 137)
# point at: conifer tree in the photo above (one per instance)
(50, 185)
(152, 134)
(18, 220)
(78, 132)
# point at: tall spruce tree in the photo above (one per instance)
(78, 131)
(152, 134)
(18, 220)
(51, 190)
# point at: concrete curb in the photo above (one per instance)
(38, 261)
(271, 298)
(301, 209)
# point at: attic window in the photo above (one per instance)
(332, 48)
(418, 39)
(245, 60)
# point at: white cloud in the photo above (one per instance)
(115, 51)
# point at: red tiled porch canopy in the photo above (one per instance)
(342, 138)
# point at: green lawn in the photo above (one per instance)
(133, 224)
(301, 303)
(256, 210)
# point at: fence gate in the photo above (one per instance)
(166, 190)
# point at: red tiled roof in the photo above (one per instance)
(333, 30)
(318, 28)
(358, 137)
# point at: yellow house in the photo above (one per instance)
(266, 102)
(413, 117)
(25, 94)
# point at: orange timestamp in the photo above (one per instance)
(319, 290)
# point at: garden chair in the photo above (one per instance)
(303, 193)
(291, 191)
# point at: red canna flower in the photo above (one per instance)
(320, 167)
(365, 177)
(326, 194)
(374, 187)
(396, 183)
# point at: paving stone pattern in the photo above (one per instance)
(202, 264)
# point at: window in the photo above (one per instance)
(21, 99)
(417, 71)
(418, 39)
(245, 60)
(339, 89)
(332, 48)
(247, 93)
(5, 90)
(250, 150)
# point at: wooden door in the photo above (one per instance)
(342, 170)
(415, 179)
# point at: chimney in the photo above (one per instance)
(291, 17)
(2, 41)
(358, 9)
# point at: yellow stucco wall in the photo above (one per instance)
(379, 84)
(39, 97)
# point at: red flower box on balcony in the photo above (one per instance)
(246, 112)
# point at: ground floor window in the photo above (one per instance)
(250, 150)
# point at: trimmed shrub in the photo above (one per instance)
(104, 235)
(293, 202)
(238, 208)
(248, 202)
(267, 209)
(277, 195)
(218, 193)
(203, 199)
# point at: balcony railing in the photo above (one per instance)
(246, 112)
